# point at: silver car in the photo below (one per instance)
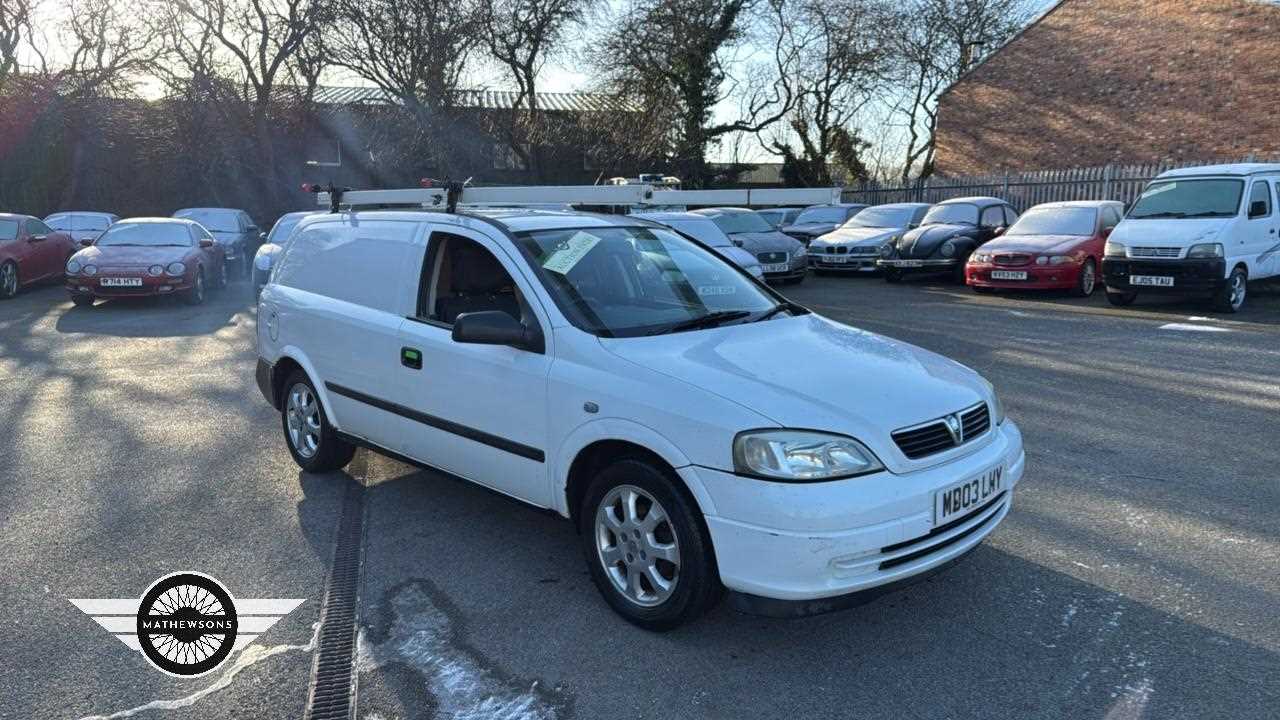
(855, 245)
(234, 230)
(81, 225)
(703, 229)
(783, 258)
(267, 253)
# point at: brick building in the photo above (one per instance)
(1098, 81)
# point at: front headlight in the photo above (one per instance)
(801, 455)
(997, 407)
(948, 249)
(262, 262)
(886, 251)
(1205, 250)
(73, 267)
(1059, 259)
(155, 270)
(176, 269)
(756, 271)
(90, 270)
(980, 258)
(800, 252)
(1113, 249)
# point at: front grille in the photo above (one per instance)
(836, 250)
(772, 258)
(936, 436)
(1155, 252)
(1012, 259)
(865, 250)
(992, 509)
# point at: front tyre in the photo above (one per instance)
(1087, 280)
(312, 441)
(1230, 297)
(195, 296)
(646, 546)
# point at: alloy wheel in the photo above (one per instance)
(1088, 279)
(637, 545)
(303, 414)
(1237, 291)
(8, 280)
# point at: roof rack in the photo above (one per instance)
(446, 195)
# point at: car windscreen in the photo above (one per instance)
(213, 220)
(952, 213)
(882, 217)
(822, 215)
(741, 222)
(145, 235)
(67, 222)
(1189, 199)
(1056, 221)
(8, 229)
(631, 281)
(283, 227)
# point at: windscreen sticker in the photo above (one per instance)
(1157, 189)
(570, 252)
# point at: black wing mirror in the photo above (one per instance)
(86, 242)
(207, 242)
(494, 327)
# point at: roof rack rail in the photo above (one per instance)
(446, 195)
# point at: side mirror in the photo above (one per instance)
(999, 231)
(207, 243)
(494, 327)
(1258, 208)
(86, 242)
(38, 238)
(1106, 233)
(262, 236)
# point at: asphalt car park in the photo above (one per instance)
(1136, 576)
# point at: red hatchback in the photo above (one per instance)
(29, 252)
(1052, 246)
(148, 256)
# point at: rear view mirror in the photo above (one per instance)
(494, 327)
(1258, 208)
(207, 243)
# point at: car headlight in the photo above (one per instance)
(756, 271)
(801, 455)
(948, 249)
(90, 270)
(1114, 249)
(980, 257)
(1059, 259)
(73, 267)
(1205, 250)
(800, 252)
(262, 262)
(997, 407)
(155, 270)
(887, 250)
(176, 269)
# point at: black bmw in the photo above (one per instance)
(949, 232)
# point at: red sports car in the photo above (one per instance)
(148, 256)
(29, 252)
(1052, 246)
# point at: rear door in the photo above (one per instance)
(477, 411)
(1258, 233)
(46, 252)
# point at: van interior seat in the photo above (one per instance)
(479, 283)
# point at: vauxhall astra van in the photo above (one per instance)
(1206, 231)
(677, 410)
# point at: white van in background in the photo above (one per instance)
(1201, 230)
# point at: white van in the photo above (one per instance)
(682, 415)
(1202, 230)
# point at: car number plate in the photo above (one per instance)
(962, 498)
(1008, 274)
(774, 267)
(120, 282)
(837, 260)
(910, 263)
(1156, 280)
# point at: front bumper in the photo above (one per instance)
(151, 285)
(844, 262)
(796, 268)
(263, 375)
(814, 543)
(909, 264)
(1039, 277)
(1198, 275)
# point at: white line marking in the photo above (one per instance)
(1193, 328)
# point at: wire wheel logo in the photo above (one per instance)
(187, 624)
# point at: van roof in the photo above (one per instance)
(1080, 203)
(513, 219)
(1235, 169)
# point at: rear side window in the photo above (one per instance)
(462, 276)
(1110, 217)
(1260, 193)
(356, 263)
(993, 216)
(36, 227)
(1010, 217)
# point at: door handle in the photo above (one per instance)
(411, 358)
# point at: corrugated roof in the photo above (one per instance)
(484, 99)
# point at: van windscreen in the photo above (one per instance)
(1189, 199)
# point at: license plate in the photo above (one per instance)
(910, 263)
(774, 267)
(1008, 274)
(837, 260)
(965, 497)
(1156, 280)
(120, 282)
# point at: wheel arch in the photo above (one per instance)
(292, 359)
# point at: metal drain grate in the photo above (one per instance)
(332, 692)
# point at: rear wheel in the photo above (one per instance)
(8, 280)
(1087, 280)
(646, 547)
(1230, 297)
(224, 277)
(1120, 299)
(312, 441)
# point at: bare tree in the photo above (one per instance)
(15, 30)
(673, 58)
(108, 51)
(521, 35)
(937, 42)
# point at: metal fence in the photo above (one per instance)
(1024, 189)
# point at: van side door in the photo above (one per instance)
(1259, 232)
(477, 411)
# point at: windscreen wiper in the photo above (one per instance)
(1160, 215)
(703, 321)
(788, 306)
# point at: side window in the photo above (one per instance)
(35, 227)
(460, 276)
(993, 216)
(1110, 217)
(1009, 216)
(356, 263)
(918, 217)
(1260, 193)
